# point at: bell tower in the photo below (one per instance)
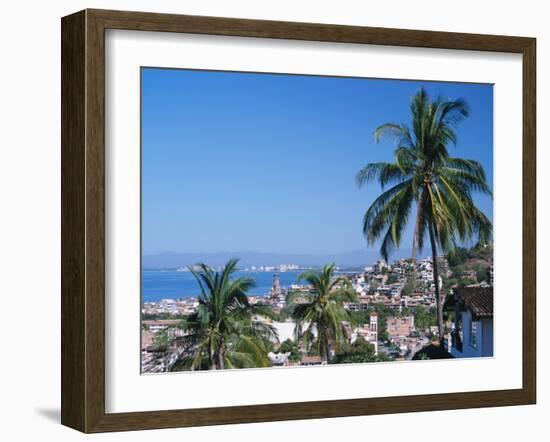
(373, 323)
(373, 329)
(276, 289)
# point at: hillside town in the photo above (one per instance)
(392, 319)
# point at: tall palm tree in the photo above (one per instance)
(224, 331)
(424, 175)
(321, 310)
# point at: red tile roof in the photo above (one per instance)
(311, 360)
(478, 299)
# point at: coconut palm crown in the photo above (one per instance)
(320, 314)
(426, 177)
(223, 332)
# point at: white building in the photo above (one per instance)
(473, 329)
(369, 333)
(278, 359)
(373, 328)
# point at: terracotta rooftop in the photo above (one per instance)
(478, 299)
(311, 360)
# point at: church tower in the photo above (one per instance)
(373, 329)
(276, 289)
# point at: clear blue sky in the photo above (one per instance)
(255, 162)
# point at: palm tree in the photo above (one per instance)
(424, 175)
(224, 331)
(321, 310)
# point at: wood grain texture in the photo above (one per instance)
(529, 221)
(83, 220)
(73, 254)
(144, 21)
(95, 222)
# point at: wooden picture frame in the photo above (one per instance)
(83, 220)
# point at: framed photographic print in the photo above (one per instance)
(266, 221)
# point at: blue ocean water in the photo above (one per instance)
(160, 284)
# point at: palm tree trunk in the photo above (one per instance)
(438, 302)
(415, 240)
(324, 348)
(221, 357)
(416, 234)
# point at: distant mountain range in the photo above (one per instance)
(348, 259)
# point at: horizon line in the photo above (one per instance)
(171, 252)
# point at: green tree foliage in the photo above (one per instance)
(289, 346)
(223, 333)
(409, 286)
(319, 319)
(358, 352)
(405, 311)
(457, 256)
(279, 316)
(161, 341)
(424, 176)
(359, 318)
(463, 282)
(482, 274)
(424, 318)
(449, 283)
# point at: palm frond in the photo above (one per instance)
(399, 133)
(385, 173)
(380, 215)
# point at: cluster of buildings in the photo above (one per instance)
(172, 307)
(278, 268)
(157, 355)
(404, 339)
(395, 287)
(384, 284)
